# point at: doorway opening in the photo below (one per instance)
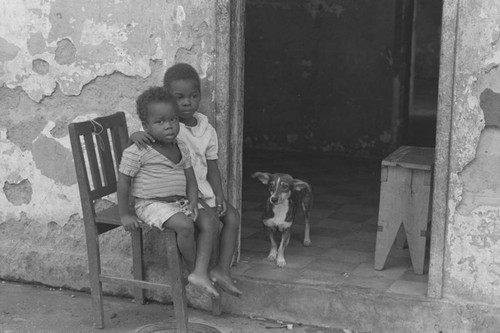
(319, 106)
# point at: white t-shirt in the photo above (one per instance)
(203, 145)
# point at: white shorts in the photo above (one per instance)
(155, 213)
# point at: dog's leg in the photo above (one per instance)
(273, 253)
(285, 238)
(307, 226)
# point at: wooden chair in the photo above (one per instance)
(109, 136)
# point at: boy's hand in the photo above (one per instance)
(193, 208)
(129, 222)
(221, 206)
(141, 139)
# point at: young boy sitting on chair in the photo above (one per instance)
(182, 81)
(162, 180)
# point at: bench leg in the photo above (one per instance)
(137, 264)
(178, 289)
(417, 218)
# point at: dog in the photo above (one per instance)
(285, 195)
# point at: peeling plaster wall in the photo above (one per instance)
(472, 250)
(63, 61)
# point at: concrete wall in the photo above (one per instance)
(68, 60)
(472, 249)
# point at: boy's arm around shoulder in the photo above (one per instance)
(141, 139)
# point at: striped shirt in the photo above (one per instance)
(154, 175)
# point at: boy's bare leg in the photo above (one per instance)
(204, 244)
(221, 274)
(184, 228)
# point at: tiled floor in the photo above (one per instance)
(343, 231)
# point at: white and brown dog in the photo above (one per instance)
(285, 194)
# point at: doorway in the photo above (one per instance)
(320, 109)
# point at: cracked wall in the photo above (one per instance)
(472, 252)
(63, 61)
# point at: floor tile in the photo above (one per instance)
(408, 288)
(359, 209)
(356, 245)
(319, 278)
(292, 261)
(336, 224)
(409, 275)
(375, 283)
(349, 216)
(364, 236)
(264, 271)
(347, 255)
(329, 232)
(255, 245)
(323, 242)
(308, 251)
(367, 270)
(330, 266)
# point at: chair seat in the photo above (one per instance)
(109, 215)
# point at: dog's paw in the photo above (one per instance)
(281, 262)
(307, 242)
(272, 255)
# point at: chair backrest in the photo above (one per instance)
(97, 147)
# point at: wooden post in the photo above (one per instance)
(401, 64)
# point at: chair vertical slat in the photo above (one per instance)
(92, 159)
(91, 235)
(104, 148)
(120, 142)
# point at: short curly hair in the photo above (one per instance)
(181, 71)
(152, 95)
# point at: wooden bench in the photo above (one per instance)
(405, 199)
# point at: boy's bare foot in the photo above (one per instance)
(203, 283)
(225, 281)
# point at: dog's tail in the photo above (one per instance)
(303, 192)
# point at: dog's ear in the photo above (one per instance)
(264, 177)
(300, 185)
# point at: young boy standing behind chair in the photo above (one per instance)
(162, 180)
(183, 82)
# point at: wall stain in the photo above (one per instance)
(18, 193)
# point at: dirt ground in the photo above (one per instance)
(34, 308)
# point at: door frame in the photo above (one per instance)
(230, 18)
(229, 98)
(446, 101)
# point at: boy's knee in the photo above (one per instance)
(185, 229)
(182, 225)
(232, 216)
(206, 222)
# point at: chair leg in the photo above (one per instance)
(178, 289)
(94, 262)
(137, 264)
